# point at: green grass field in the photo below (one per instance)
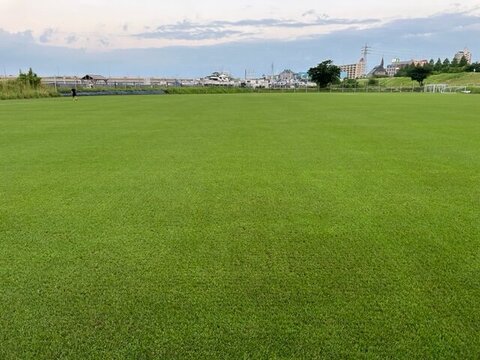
(240, 226)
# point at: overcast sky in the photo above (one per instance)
(79, 31)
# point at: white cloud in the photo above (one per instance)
(102, 24)
(428, 37)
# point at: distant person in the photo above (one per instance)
(74, 94)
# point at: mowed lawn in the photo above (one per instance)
(240, 226)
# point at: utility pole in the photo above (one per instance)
(365, 51)
(272, 77)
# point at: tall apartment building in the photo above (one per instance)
(465, 53)
(354, 71)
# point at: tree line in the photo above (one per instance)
(442, 67)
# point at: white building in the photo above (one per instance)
(287, 76)
(464, 53)
(261, 83)
(219, 79)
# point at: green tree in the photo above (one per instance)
(403, 71)
(475, 67)
(419, 73)
(454, 63)
(438, 66)
(325, 74)
(29, 79)
(431, 63)
(446, 64)
(463, 62)
(350, 83)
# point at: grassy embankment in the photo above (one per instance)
(471, 80)
(14, 89)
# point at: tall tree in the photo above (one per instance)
(419, 73)
(325, 73)
(438, 65)
(30, 78)
(446, 64)
(463, 62)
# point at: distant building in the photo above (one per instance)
(219, 76)
(74, 81)
(464, 53)
(219, 79)
(354, 71)
(420, 62)
(90, 79)
(397, 65)
(378, 70)
(263, 83)
(287, 76)
(303, 75)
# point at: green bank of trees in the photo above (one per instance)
(26, 85)
(442, 66)
(475, 67)
(421, 72)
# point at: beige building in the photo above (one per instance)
(465, 53)
(397, 65)
(354, 71)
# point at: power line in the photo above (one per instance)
(402, 53)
